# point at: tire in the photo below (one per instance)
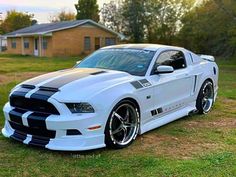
(123, 125)
(205, 98)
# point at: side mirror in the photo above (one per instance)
(162, 69)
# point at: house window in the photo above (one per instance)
(26, 43)
(13, 43)
(45, 43)
(87, 43)
(110, 41)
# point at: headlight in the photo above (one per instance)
(80, 107)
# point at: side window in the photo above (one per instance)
(173, 58)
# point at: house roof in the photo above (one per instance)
(47, 28)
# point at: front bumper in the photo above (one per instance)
(52, 134)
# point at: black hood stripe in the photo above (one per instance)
(42, 78)
(61, 81)
(58, 83)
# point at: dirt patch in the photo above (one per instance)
(180, 148)
(12, 77)
(206, 134)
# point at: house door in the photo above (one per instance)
(36, 47)
(97, 43)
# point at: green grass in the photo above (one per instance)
(202, 145)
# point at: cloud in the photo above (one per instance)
(41, 8)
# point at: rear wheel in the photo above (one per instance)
(123, 125)
(205, 97)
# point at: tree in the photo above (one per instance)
(62, 16)
(134, 14)
(210, 29)
(111, 16)
(163, 19)
(16, 20)
(87, 9)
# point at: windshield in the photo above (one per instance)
(133, 61)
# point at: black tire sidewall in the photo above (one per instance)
(108, 141)
(200, 97)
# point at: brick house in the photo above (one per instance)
(69, 38)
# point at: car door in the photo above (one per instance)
(171, 90)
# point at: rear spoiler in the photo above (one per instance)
(207, 57)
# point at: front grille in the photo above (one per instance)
(38, 132)
(32, 104)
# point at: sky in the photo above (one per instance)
(42, 9)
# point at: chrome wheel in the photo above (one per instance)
(124, 124)
(208, 97)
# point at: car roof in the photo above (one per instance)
(152, 47)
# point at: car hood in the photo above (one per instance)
(79, 83)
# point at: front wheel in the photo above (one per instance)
(205, 97)
(123, 125)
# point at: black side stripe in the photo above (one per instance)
(136, 85)
(16, 115)
(19, 136)
(37, 120)
(145, 83)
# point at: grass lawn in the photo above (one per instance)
(202, 145)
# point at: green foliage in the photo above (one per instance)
(63, 16)
(163, 19)
(112, 17)
(134, 14)
(16, 20)
(210, 28)
(87, 9)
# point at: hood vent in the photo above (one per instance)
(51, 89)
(28, 86)
(97, 73)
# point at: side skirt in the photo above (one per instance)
(165, 119)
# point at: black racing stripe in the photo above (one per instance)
(42, 94)
(39, 141)
(59, 82)
(136, 85)
(19, 136)
(22, 91)
(42, 78)
(33, 131)
(37, 120)
(16, 115)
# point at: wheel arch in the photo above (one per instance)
(133, 101)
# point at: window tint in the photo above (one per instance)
(175, 59)
(26, 43)
(87, 43)
(133, 61)
(13, 43)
